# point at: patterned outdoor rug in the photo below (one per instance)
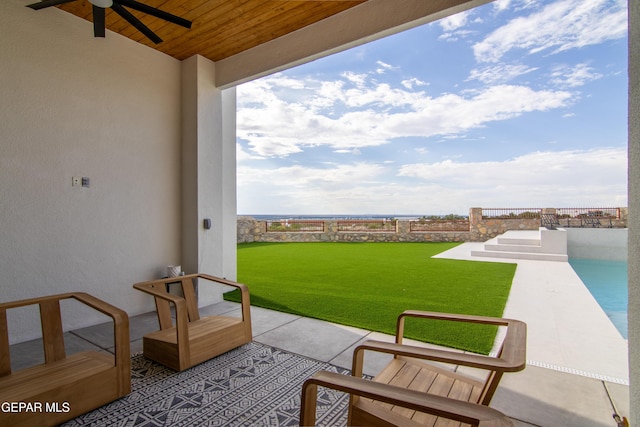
(253, 385)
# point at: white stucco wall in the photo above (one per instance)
(634, 210)
(75, 105)
(609, 244)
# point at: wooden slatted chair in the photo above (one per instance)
(447, 411)
(412, 369)
(64, 386)
(192, 339)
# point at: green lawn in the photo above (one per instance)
(368, 284)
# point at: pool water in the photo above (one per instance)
(607, 282)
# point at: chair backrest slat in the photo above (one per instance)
(162, 307)
(52, 334)
(5, 354)
(191, 299)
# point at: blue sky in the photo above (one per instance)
(517, 103)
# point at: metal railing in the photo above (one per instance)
(588, 217)
(367, 226)
(438, 225)
(295, 226)
(613, 213)
(511, 213)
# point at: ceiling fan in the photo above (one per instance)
(99, 7)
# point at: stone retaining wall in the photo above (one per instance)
(251, 230)
(480, 230)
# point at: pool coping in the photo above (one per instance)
(567, 331)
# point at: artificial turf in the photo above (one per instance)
(367, 285)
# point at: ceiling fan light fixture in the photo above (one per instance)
(102, 3)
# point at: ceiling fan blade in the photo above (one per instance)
(136, 23)
(98, 21)
(155, 12)
(47, 3)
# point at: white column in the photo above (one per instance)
(208, 175)
(634, 210)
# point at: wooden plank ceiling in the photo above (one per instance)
(221, 28)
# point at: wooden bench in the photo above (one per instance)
(64, 386)
(412, 373)
(192, 339)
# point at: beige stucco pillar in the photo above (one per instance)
(208, 175)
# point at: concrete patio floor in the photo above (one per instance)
(576, 370)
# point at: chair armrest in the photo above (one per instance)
(122, 350)
(470, 413)
(244, 291)
(164, 315)
(437, 355)
(512, 356)
(120, 323)
(245, 299)
(223, 281)
(497, 321)
(149, 288)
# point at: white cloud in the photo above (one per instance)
(279, 117)
(455, 36)
(559, 26)
(501, 5)
(517, 5)
(384, 67)
(501, 73)
(356, 78)
(306, 189)
(330, 177)
(549, 170)
(454, 22)
(565, 76)
(541, 179)
(413, 82)
(355, 151)
(242, 155)
(453, 26)
(453, 113)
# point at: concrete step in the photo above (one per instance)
(526, 244)
(512, 248)
(519, 241)
(519, 237)
(521, 255)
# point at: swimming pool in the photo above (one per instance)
(607, 282)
